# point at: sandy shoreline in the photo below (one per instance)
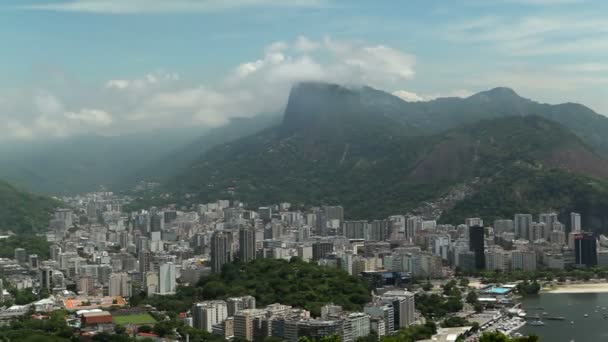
(579, 288)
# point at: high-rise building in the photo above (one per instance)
(355, 229)
(144, 262)
(119, 285)
(476, 245)
(221, 250)
(20, 255)
(473, 221)
(247, 250)
(585, 249)
(523, 260)
(379, 230)
(321, 249)
(166, 279)
(65, 216)
(575, 222)
(403, 303)
(46, 277)
(54, 252)
(522, 223)
(244, 323)
(34, 260)
(151, 283)
(382, 311)
(236, 304)
(265, 213)
(316, 329)
(549, 219)
(335, 212)
(413, 227)
(206, 314)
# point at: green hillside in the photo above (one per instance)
(372, 162)
(524, 189)
(23, 212)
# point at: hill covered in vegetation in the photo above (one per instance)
(24, 212)
(297, 283)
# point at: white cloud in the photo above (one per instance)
(303, 44)
(163, 99)
(161, 6)
(408, 96)
(89, 116)
(414, 97)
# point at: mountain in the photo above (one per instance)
(84, 163)
(182, 156)
(359, 147)
(23, 212)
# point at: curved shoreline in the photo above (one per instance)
(579, 288)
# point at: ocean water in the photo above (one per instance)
(573, 307)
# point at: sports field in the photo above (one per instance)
(143, 318)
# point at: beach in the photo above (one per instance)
(579, 288)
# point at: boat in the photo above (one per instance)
(586, 315)
(537, 323)
(571, 322)
(545, 313)
(555, 318)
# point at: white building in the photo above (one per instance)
(523, 260)
(119, 285)
(206, 314)
(166, 281)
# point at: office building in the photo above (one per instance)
(247, 250)
(384, 312)
(244, 323)
(403, 303)
(321, 249)
(236, 304)
(549, 219)
(119, 285)
(355, 229)
(206, 314)
(521, 224)
(585, 249)
(166, 279)
(221, 250)
(477, 246)
(523, 260)
(20, 255)
(46, 277)
(575, 222)
(335, 212)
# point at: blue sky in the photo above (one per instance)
(111, 66)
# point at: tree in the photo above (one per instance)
(464, 282)
(427, 286)
(472, 297)
(500, 337)
(144, 328)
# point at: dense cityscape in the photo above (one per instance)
(303, 171)
(102, 261)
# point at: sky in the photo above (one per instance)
(109, 67)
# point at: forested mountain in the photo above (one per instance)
(359, 148)
(23, 212)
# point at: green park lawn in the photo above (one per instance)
(144, 318)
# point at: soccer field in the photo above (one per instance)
(144, 318)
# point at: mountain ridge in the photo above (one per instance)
(351, 154)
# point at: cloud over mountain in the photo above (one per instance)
(167, 99)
